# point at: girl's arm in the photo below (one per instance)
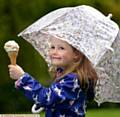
(66, 89)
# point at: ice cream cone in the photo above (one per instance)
(12, 48)
(13, 57)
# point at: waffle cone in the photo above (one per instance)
(13, 57)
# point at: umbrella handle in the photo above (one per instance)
(35, 109)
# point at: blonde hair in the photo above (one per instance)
(83, 68)
(86, 72)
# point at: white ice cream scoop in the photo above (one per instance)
(12, 48)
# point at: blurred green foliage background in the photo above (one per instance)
(16, 15)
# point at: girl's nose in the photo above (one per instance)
(55, 51)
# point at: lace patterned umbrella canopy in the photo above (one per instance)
(89, 31)
(108, 85)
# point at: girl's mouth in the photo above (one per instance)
(56, 58)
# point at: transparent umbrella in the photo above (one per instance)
(92, 33)
(108, 85)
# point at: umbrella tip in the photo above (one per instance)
(109, 15)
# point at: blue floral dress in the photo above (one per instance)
(64, 98)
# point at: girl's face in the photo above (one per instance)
(61, 53)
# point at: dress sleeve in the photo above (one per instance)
(68, 88)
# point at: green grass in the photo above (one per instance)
(115, 112)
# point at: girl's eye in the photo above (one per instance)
(62, 48)
(52, 47)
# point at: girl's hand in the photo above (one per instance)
(15, 71)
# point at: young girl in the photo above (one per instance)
(78, 38)
(75, 79)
